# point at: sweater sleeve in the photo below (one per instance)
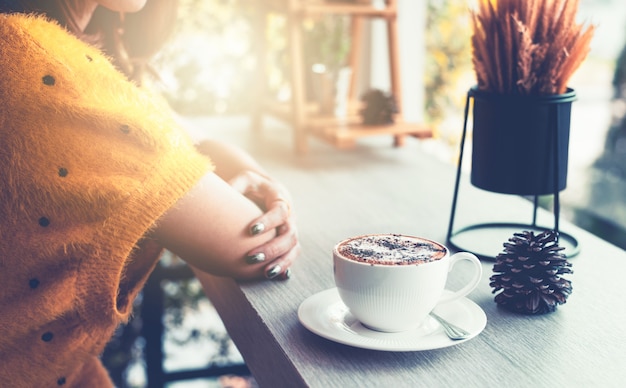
(88, 163)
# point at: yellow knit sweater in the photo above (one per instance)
(88, 163)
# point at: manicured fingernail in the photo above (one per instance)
(257, 228)
(273, 272)
(287, 274)
(256, 258)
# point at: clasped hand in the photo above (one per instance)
(278, 254)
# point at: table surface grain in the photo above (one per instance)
(341, 194)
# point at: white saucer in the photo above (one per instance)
(325, 315)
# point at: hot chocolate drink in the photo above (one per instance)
(391, 249)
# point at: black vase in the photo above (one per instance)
(520, 143)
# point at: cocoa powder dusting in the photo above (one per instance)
(391, 249)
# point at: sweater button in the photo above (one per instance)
(33, 283)
(48, 80)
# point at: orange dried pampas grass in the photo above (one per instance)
(527, 46)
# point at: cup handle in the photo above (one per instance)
(478, 272)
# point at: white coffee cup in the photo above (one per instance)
(391, 282)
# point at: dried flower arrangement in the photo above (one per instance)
(528, 47)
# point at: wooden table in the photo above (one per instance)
(405, 190)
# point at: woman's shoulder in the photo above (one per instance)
(26, 33)
(14, 19)
(32, 32)
(46, 66)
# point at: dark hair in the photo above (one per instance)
(129, 39)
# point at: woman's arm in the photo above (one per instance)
(247, 177)
(209, 228)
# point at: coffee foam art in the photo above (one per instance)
(391, 249)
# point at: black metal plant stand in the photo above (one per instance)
(469, 238)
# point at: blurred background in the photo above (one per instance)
(205, 72)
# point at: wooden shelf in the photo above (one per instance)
(342, 132)
(304, 117)
(308, 8)
(344, 135)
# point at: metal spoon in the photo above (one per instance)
(452, 331)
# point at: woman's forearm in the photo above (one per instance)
(209, 228)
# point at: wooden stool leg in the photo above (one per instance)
(356, 50)
(298, 99)
(394, 64)
(260, 50)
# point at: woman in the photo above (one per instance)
(97, 179)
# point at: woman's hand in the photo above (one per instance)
(276, 253)
(273, 198)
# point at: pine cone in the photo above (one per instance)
(528, 272)
(379, 109)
